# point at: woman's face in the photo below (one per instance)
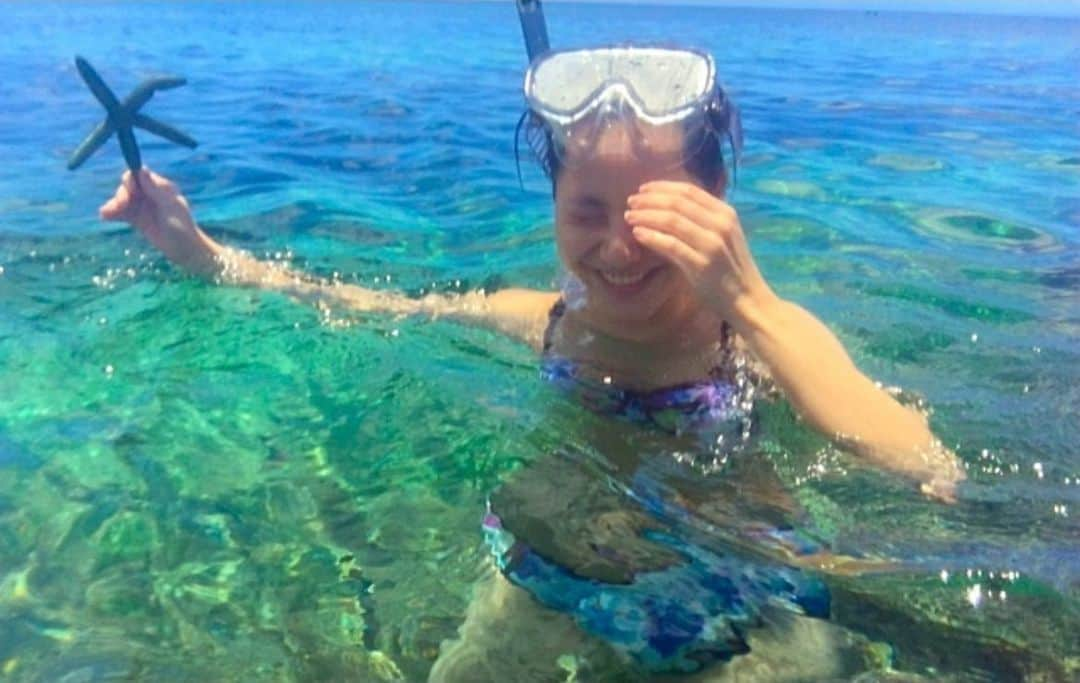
(629, 288)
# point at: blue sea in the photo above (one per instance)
(200, 482)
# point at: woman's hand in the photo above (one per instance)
(945, 472)
(154, 205)
(701, 235)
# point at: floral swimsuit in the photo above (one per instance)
(695, 611)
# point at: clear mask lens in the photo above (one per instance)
(659, 85)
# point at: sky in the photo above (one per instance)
(1018, 7)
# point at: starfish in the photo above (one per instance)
(121, 116)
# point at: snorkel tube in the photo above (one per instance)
(533, 27)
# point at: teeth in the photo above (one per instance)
(621, 279)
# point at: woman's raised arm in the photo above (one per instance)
(153, 205)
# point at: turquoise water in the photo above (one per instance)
(204, 483)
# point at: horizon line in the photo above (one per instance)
(1054, 9)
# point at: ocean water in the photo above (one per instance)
(206, 483)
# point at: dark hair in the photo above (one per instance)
(705, 163)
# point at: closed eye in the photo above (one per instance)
(588, 211)
(588, 218)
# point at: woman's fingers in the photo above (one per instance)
(671, 248)
(689, 191)
(109, 211)
(162, 191)
(133, 188)
(690, 201)
(115, 209)
(939, 491)
(679, 204)
(155, 184)
(678, 225)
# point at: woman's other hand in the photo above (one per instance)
(945, 472)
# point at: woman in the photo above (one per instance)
(667, 313)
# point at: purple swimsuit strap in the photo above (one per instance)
(554, 314)
(559, 308)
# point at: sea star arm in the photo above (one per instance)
(100, 90)
(163, 129)
(130, 148)
(145, 90)
(90, 145)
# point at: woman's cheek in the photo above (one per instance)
(574, 242)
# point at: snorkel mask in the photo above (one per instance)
(662, 103)
(665, 104)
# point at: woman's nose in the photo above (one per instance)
(620, 247)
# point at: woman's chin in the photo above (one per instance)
(635, 301)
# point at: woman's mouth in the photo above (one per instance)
(623, 279)
(626, 282)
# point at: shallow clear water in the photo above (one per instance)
(203, 483)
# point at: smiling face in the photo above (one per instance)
(632, 293)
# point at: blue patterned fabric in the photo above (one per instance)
(684, 409)
(685, 616)
(678, 619)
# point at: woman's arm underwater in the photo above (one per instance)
(154, 205)
(816, 374)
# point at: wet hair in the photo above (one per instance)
(705, 163)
